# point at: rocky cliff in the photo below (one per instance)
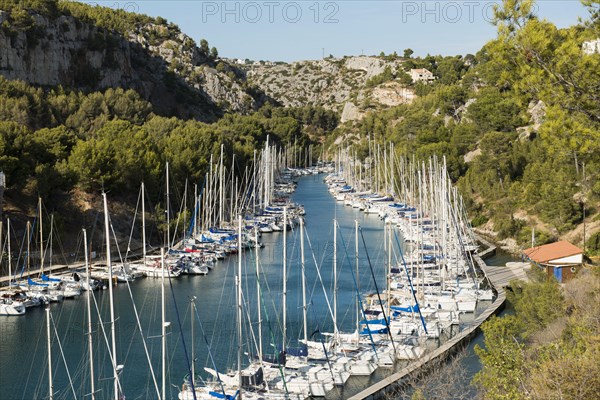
(164, 65)
(344, 85)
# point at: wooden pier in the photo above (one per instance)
(499, 277)
(37, 272)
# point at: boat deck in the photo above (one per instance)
(500, 277)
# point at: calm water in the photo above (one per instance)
(23, 354)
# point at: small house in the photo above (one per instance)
(560, 259)
(421, 75)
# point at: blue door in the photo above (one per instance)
(558, 274)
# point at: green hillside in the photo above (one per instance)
(519, 125)
(518, 122)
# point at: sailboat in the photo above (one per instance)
(243, 382)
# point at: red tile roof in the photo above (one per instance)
(552, 251)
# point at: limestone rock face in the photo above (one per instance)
(370, 65)
(66, 51)
(50, 59)
(351, 113)
(330, 82)
(392, 94)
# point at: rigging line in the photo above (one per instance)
(108, 347)
(387, 323)
(139, 327)
(187, 359)
(321, 279)
(252, 335)
(63, 357)
(360, 300)
(254, 259)
(218, 313)
(324, 349)
(37, 344)
(210, 355)
(23, 243)
(61, 247)
(180, 217)
(196, 213)
(268, 320)
(133, 223)
(410, 281)
(273, 342)
(316, 280)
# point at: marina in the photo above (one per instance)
(366, 330)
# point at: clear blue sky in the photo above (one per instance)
(281, 30)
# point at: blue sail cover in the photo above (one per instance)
(301, 351)
(373, 326)
(46, 278)
(223, 396)
(206, 239)
(371, 330)
(409, 308)
(30, 282)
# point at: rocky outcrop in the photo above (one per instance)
(537, 111)
(351, 113)
(330, 82)
(391, 94)
(165, 68)
(57, 51)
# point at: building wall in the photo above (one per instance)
(576, 259)
(566, 273)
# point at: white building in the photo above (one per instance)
(591, 47)
(421, 75)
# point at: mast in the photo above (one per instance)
(89, 316)
(50, 383)
(233, 189)
(112, 302)
(267, 159)
(163, 324)
(41, 236)
(258, 296)
(50, 240)
(335, 329)
(193, 311)
(143, 225)
(238, 282)
(284, 276)
(168, 211)
(183, 221)
(254, 183)
(389, 269)
(221, 188)
(28, 245)
(196, 205)
(304, 317)
(9, 253)
(357, 280)
(210, 202)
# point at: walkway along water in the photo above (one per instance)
(498, 281)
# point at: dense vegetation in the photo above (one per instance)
(549, 348)
(519, 124)
(56, 140)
